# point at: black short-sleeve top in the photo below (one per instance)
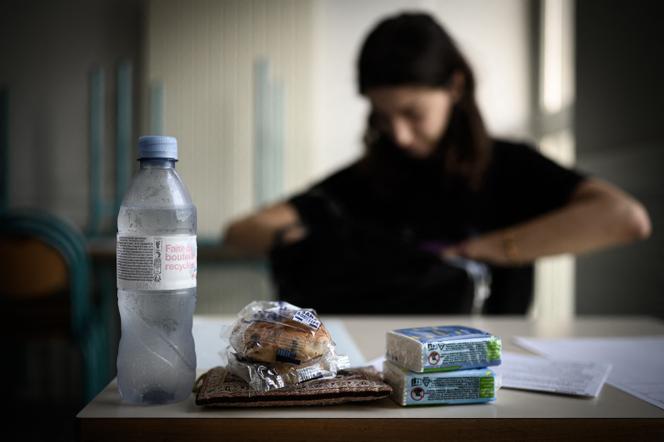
(519, 184)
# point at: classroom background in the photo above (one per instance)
(261, 96)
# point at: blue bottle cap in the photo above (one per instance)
(157, 146)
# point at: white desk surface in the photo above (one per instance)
(369, 334)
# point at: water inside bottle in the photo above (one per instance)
(156, 359)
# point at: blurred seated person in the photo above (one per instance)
(431, 187)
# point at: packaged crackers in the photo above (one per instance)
(453, 387)
(442, 348)
(441, 365)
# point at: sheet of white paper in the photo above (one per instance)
(525, 372)
(210, 345)
(638, 362)
(377, 363)
(208, 342)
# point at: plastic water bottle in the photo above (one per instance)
(156, 279)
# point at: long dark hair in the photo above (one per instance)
(412, 49)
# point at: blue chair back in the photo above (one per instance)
(87, 325)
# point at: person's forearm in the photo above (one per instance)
(245, 235)
(257, 233)
(579, 228)
(599, 220)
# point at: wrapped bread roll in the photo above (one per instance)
(288, 341)
(276, 344)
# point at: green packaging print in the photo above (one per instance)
(494, 347)
(487, 387)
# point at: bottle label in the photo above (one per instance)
(156, 262)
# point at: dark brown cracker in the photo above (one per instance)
(219, 388)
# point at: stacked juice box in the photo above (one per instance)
(441, 365)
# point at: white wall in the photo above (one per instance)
(204, 52)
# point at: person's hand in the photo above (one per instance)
(291, 234)
(457, 250)
(489, 248)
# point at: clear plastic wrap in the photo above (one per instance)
(276, 344)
